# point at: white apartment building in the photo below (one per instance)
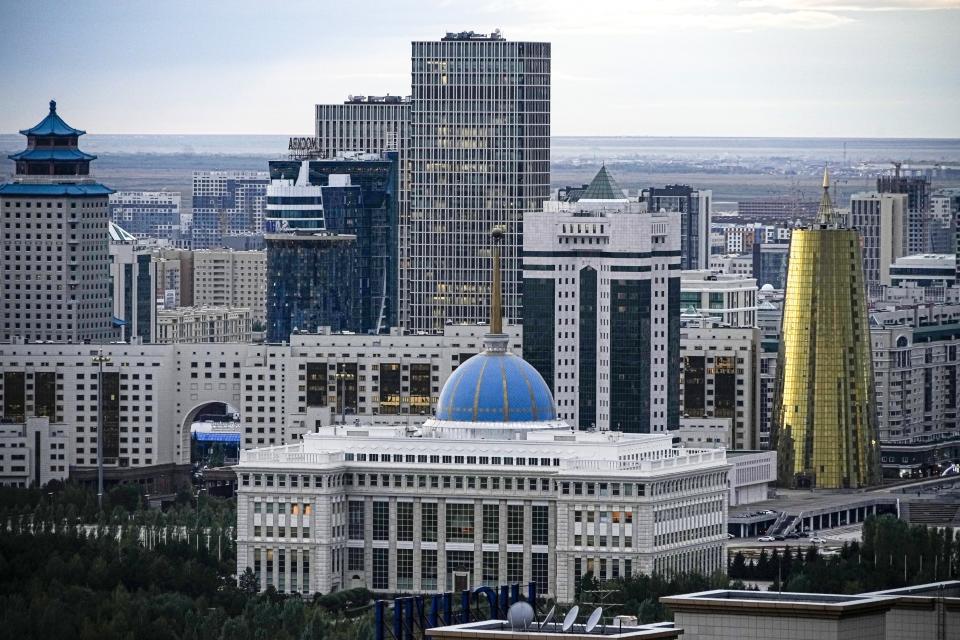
(226, 203)
(153, 214)
(494, 488)
(33, 452)
(54, 255)
(280, 391)
(734, 264)
(601, 313)
(879, 219)
(194, 325)
(731, 299)
(226, 278)
(718, 368)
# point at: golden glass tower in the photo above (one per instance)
(825, 425)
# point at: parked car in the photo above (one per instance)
(802, 534)
(792, 536)
(779, 537)
(767, 512)
(766, 539)
(817, 540)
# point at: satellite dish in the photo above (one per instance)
(594, 619)
(520, 615)
(571, 617)
(549, 618)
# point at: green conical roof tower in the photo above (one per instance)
(603, 187)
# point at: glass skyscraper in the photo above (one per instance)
(332, 245)
(479, 157)
(824, 423)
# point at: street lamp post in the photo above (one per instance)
(98, 360)
(342, 377)
(199, 491)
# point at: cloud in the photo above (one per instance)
(844, 7)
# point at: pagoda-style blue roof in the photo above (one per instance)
(56, 155)
(60, 189)
(52, 125)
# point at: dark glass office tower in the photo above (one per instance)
(695, 210)
(332, 245)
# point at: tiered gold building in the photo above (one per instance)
(825, 425)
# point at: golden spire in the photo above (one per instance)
(825, 213)
(496, 304)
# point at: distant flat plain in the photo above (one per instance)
(734, 168)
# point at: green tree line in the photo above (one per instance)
(893, 554)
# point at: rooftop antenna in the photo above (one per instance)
(549, 618)
(593, 620)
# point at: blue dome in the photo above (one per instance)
(495, 387)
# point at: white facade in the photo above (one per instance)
(589, 257)
(149, 213)
(227, 278)
(718, 378)
(879, 219)
(169, 384)
(732, 264)
(33, 452)
(203, 325)
(56, 266)
(924, 270)
(751, 475)
(730, 299)
(437, 509)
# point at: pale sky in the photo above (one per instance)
(854, 68)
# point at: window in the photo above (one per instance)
(459, 522)
(428, 523)
(541, 525)
(381, 520)
(540, 570)
(354, 559)
(514, 524)
(355, 520)
(381, 567)
(428, 567)
(514, 566)
(405, 522)
(405, 568)
(491, 523)
(491, 567)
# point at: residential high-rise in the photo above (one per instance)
(730, 299)
(916, 230)
(374, 124)
(152, 214)
(825, 424)
(601, 307)
(332, 250)
(225, 203)
(55, 258)
(226, 278)
(695, 207)
(879, 219)
(479, 157)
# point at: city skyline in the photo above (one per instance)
(758, 67)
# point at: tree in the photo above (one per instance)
(248, 582)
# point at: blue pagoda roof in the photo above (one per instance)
(62, 189)
(51, 154)
(52, 125)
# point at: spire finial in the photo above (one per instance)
(53, 106)
(496, 303)
(825, 213)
